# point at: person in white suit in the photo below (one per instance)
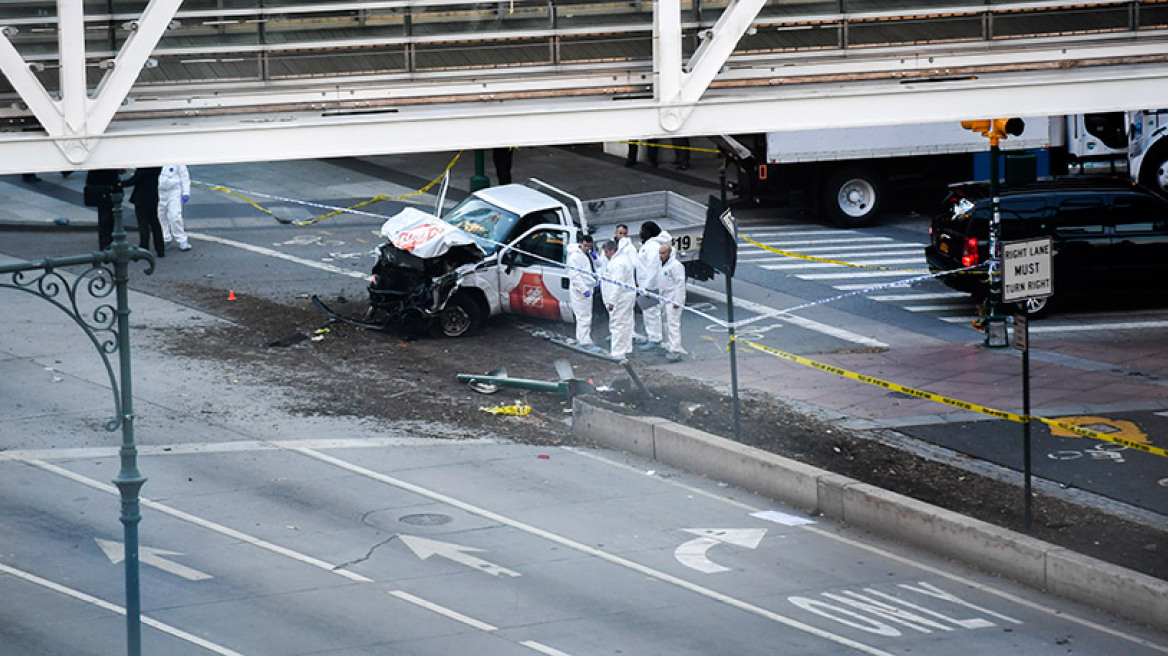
(582, 285)
(620, 297)
(174, 189)
(648, 264)
(671, 279)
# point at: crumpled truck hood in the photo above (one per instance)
(425, 235)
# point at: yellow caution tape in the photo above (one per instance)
(519, 410)
(333, 213)
(964, 405)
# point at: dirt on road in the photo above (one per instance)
(338, 369)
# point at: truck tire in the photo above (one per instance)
(1153, 173)
(461, 317)
(853, 196)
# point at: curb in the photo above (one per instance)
(1038, 564)
(50, 226)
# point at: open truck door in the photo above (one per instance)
(533, 278)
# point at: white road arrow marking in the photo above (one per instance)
(424, 548)
(151, 556)
(692, 554)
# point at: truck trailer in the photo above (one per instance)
(845, 173)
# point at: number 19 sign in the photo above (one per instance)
(1026, 270)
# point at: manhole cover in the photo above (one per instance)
(425, 519)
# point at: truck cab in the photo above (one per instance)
(502, 250)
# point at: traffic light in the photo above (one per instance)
(996, 128)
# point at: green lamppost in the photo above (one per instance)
(479, 180)
(108, 328)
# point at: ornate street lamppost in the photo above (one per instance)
(108, 328)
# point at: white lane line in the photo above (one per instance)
(937, 308)
(855, 274)
(854, 286)
(118, 610)
(778, 234)
(809, 324)
(922, 296)
(543, 649)
(824, 265)
(812, 242)
(833, 255)
(1126, 325)
(879, 249)
(241, 446)
(198, 521)
(277, 254)
(596, 553)
(904, 560)
(442, 610)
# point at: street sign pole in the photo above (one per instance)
(1022, 341)
(730, 315)
(1027, 273)
(995, 322)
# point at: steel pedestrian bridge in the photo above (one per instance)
(112, 84)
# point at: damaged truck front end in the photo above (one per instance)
(416, 278)
(411, 293)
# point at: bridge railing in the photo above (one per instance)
(225, 44)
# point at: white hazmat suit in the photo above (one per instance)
(672, 281)
(620, 297)
(174, 189)
(648, 264)
(582, 285)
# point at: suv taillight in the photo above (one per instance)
(969, 253)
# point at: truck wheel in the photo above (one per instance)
(461, 317)
(1154, 172)
(1034, 307)
(853, 196)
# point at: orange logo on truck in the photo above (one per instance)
(532, 297)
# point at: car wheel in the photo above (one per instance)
(462, 316)
(853, 196)
(1034, 307)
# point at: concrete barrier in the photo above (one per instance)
(1041, 565)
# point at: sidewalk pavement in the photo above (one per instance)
(1063, 380)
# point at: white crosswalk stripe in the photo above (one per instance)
(930, 298)
(856, 248)
(864, 261)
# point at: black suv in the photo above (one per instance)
(1108, 235)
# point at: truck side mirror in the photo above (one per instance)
(510, 259)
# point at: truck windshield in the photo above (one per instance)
(488, 224)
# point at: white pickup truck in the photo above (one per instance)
(504, 250)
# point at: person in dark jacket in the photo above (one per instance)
(99, 185)
(145, 200)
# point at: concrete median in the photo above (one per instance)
(890, 515)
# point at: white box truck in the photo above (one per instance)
(845, 172)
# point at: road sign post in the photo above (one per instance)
(1026, 274)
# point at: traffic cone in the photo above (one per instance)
(231, 294)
